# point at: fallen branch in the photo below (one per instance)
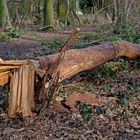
(96, 42)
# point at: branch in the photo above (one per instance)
(53, 71)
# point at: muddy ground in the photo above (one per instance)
(116, 117)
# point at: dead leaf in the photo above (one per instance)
(107, 100)
(59, 99)
(59, 107)
(88, 98)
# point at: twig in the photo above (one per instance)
(97, 42)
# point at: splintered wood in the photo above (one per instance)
(21, 76)
(21, 94)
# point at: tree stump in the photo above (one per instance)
(21, 76)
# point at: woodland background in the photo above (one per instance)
(33, 28)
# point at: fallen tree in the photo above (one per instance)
(22, 76)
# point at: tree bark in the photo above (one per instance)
(63, 11)
(21, 95)
(48, 13)
(77, 60)
(4, 16)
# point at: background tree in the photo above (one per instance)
(63, 11)
(48, 13)
(4, 16)
(122, 11)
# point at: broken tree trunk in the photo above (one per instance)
(21, 94)
(77, 60)
(21, 74)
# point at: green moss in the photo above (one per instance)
(4, 16)
(48, 13)
(1, 12)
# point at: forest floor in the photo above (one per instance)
(116, 85)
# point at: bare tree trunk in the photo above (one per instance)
(122, 12)
(48, 13)
(4, 16)
(115, 12)
(63, 11)
(77, 60)
(129, 4)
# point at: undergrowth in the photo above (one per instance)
(114, 80)
(49, 47)
(5, 36)
(128, 32)
(54, 44)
